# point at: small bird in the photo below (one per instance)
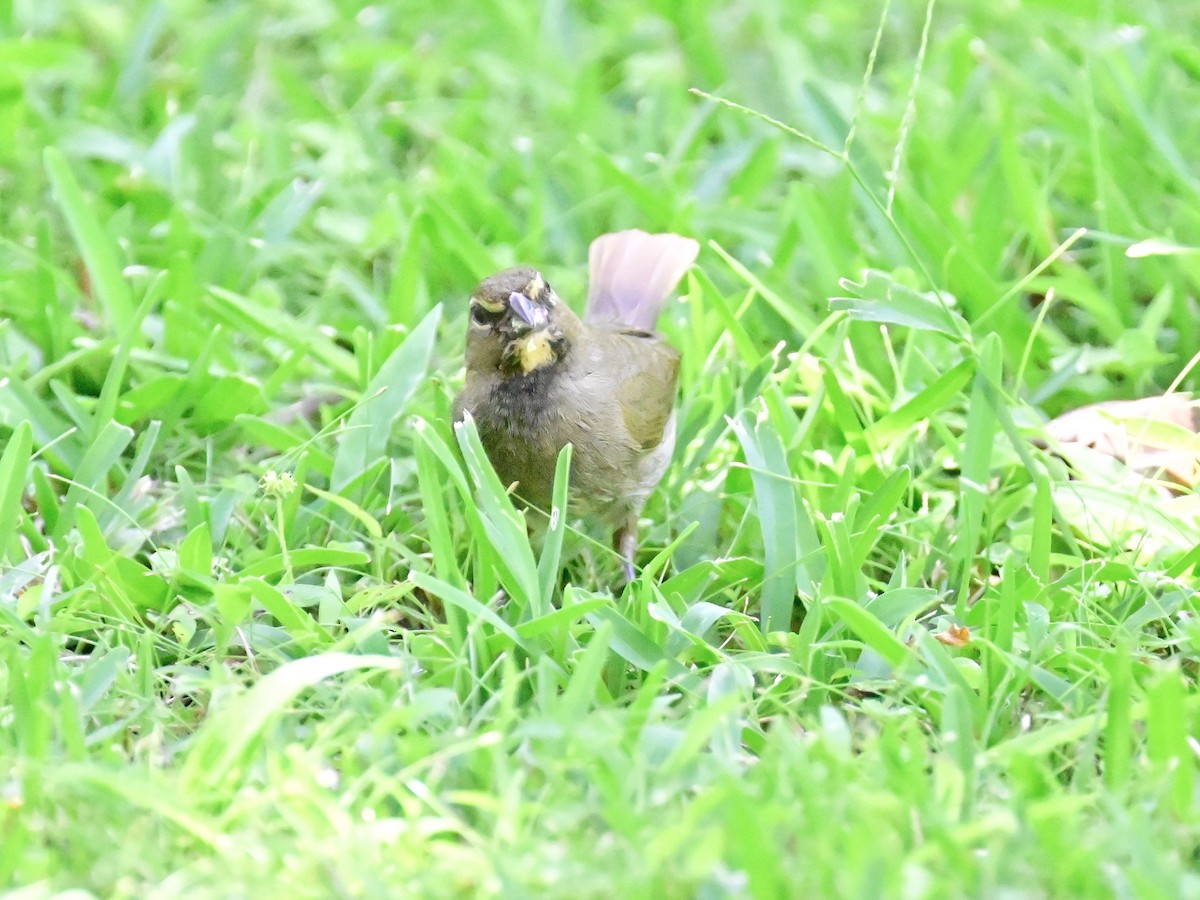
(539, 377)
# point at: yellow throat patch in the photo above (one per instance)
(534, 351)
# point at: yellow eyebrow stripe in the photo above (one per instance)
(492, 306)
(535, 288)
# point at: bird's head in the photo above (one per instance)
(518, 324)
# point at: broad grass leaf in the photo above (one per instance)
(880, 298)
(370, 424)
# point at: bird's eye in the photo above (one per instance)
(483, 316)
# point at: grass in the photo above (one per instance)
(249, 631)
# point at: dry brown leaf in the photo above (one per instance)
(1152, 435)
(955, 636)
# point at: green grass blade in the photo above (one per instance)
(106, 406)
(870, 631)
(90, 484)
(98, 250)
(879, 298)
(549, 562)
(978, 446)
(467, 603)
(14, 468)
(370, 424)
(1168, 744)
(504, 529)
(1118, 730)
(777, 513)
(223, 746)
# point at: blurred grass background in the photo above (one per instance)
(247, 629)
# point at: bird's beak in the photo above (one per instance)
(527, 311)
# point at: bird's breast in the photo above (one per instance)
(523, 403)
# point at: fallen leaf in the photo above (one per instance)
(955, 636)
(1153, 435)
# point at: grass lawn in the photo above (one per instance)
(883, 644)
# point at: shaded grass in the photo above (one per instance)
(249, 607)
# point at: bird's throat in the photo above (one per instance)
(534, 352)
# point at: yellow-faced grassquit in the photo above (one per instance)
(539, 377)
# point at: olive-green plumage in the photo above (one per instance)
(539, 377)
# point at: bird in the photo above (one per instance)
(539, 377)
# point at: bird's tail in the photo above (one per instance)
(632, 272)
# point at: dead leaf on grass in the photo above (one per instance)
(1154, 436)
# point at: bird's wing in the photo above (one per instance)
(632, 272)
(647, 391)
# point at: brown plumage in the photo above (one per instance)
(539, 377)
